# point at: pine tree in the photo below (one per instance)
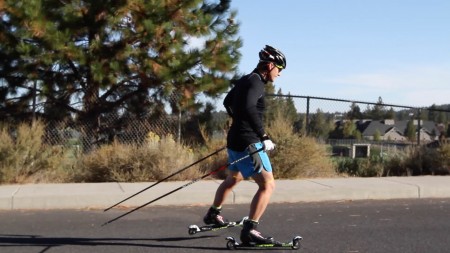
(432, 113)
(319, 125)
(349, 129)
(377, 112)
(442, 117)
(90, 58)
(377, 135)
(279, 104)
(410, 131)
(290, 110)
(355, 112)
(390, 114)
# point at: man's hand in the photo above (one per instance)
(267, 143)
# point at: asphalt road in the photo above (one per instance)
(419, 225)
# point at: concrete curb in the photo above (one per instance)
(103, 195)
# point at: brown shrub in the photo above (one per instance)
(155, 159)
(296, 156)
(24, 158)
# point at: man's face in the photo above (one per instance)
(274, 72)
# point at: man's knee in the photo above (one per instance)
(234, 178)
(265, 181)
(269, 184)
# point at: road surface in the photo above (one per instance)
(419, 225)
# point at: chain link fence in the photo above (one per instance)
(324, 118)
(343, 124)
(115, 126)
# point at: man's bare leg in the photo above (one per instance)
(266, 186)
(226, 186)
(213, 215)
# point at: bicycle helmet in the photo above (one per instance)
(271, 54)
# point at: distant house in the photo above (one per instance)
(394, 130)
(393, 134)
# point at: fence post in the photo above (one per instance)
(307, 115)
(34, 99)
(179, 128)
(419, 116)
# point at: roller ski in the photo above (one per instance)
(214, 221)
(232, 244)
(251, 238)
(194, 229)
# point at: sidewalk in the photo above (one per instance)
(103, 195)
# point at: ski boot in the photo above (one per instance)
(250, 236)
(214, 218)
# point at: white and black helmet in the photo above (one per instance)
(271, 54)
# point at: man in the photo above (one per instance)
(245, 104)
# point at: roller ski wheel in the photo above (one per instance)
(296, 242)
(232, 244)
(194, 229)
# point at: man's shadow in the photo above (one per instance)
(51, 242)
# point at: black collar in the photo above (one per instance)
(260, 75)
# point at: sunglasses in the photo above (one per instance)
(279, 67)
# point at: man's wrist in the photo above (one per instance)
(265, 137)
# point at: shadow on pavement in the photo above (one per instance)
(50, 242)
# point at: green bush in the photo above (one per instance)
(360, 167)
(415, 161)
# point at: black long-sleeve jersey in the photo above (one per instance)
(245, 104)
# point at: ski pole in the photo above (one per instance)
(185, 185)
(175, 173)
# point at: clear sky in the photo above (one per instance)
(398, 50)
